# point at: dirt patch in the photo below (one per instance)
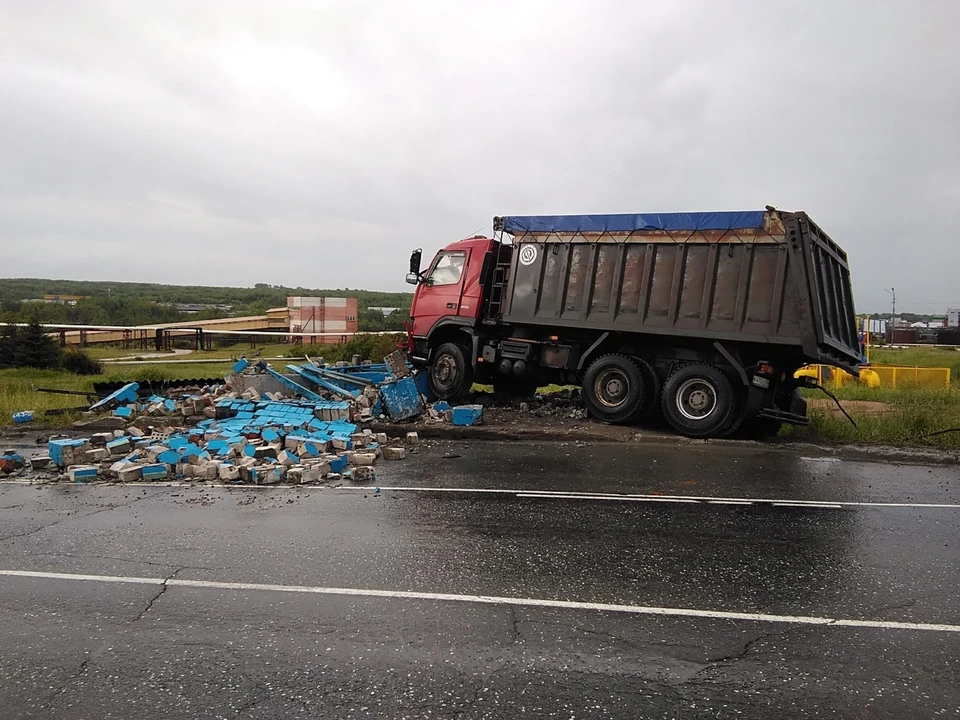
(869, 408)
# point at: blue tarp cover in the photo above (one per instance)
(517, 225)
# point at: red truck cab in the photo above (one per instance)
(450, 292)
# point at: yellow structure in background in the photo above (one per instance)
(887, 376)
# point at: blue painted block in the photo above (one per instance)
(401, 399)
(175, 442)
(249, 450)
(339, 464)
(423, 385)
(467, 415)
(123, 412)
(270, 435)
(190, 450)
(441, 406)
(313, 449)
(156, 471)
(123, 396)
(241, 365)
(217, 445)
(170, 405)
(170, 457)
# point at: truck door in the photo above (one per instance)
(441, 291)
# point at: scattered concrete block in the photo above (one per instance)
(464, 415)
(285, 457)
(394, 453)
(342, 443)
(209, 471)
(381, 438)
(359, 440)
(41, 462)
(101, 439)
(295, 474)
(66, 452)
(120, 446)
(413, 438)
(155, 471)
(134, 431)
(362, 458)
(364, 473)
(130, 473)
(95, 455)
(273, 475)
(82, 473)
(229, 472)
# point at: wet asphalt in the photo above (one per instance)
(633, 525)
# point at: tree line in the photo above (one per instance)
(30, 346)
(117, 303)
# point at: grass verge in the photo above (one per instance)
(911, 418)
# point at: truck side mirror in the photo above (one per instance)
(412, 278)
(415, 262)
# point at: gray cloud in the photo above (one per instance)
(315, 144)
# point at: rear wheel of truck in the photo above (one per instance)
(698, 401)
(614, 389)
(451, 376)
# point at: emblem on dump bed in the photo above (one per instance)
(528, 254)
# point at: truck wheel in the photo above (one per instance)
(614, 388)
(698, 401)
(651, 403)
(451, 377)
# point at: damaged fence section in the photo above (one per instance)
(259, 427)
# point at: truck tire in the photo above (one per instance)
(451, 376)
(698, 401)
(651, 403)
(614, 389)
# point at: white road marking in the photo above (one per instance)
(531, 493)
(496, 600)
(626, 497)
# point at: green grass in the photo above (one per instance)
(913, 414)
(17, 386)
(919, 357)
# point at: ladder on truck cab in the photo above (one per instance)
(498, 282)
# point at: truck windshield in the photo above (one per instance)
(448, 269)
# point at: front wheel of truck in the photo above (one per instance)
(451, 376)
(698, 401)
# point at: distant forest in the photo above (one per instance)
(120, 303)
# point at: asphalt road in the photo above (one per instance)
(493, 580)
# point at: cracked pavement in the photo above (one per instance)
(161, 649)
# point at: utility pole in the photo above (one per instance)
(893, 315)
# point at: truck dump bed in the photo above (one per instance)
(758, 276)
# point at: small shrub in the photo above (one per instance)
(78, 362)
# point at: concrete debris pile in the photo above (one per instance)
(258, 427)
(258, 443)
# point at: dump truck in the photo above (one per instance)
(702, 318)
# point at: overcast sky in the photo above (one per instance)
(316, 144)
